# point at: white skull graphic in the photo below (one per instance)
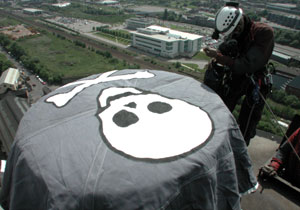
(148, 125)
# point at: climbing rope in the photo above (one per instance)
(272, 113)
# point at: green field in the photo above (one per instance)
(97, 13)
(114, 38)
(195, 67)
(6, 21)
(201, 56)
(63, 56)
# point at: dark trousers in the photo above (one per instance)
(251, 110)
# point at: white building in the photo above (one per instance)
(32, 11)
(64, 4)
(9, 80)
(109, 2)
(166, 42)
(135, 23)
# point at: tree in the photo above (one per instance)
(278, 96)
(177, 65)
(17, 51)
(107, 54)
(264, 13)
(253, 16)
(295, 43)
(4, 41)
(287, 37)
(5, 64)
(292, 100)
(165, 17)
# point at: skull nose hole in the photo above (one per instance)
(124, 118)
(159, 107)
(131, 105)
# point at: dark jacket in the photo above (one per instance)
(287, 157)
(255, 48)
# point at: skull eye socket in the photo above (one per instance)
(124, 118)
(159, 107)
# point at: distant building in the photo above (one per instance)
(201, 20)
(293, 87)
(108, 2)
(12, 109)
(135, 23)
(295, 60)
(286, 71)
(166, 42)
(281, 58)
(31, 11)
(292, 21)
(280, 81)
(149, 11)
(288, 79)
(9, 80)
(283, 7)
(64, 4)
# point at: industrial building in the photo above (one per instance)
(166, 42)
(293, 87)
(63, 4)
(12, 109)
(201, 20)
(135, 23)
(108, 2)
(31, 11)
(9, 80)
(280, 57)
(292, 21)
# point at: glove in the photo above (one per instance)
(268, 171)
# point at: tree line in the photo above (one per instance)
(4, 63)
(33, 64)
(282, 105)
(290, 103)
(116, 33)
(287, 37)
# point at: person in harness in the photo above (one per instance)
(243, 72)
(286, 161)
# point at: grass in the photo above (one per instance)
(6, 21)
(62, 56)
(201, 56)
(193, 66)
(114, 38)
(178, 28)
(77, 11)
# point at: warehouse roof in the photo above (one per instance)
(165, 34)
(10, 76)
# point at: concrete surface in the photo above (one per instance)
(275, 196)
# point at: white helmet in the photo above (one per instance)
(227, 19)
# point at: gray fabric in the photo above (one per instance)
(60, 159)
